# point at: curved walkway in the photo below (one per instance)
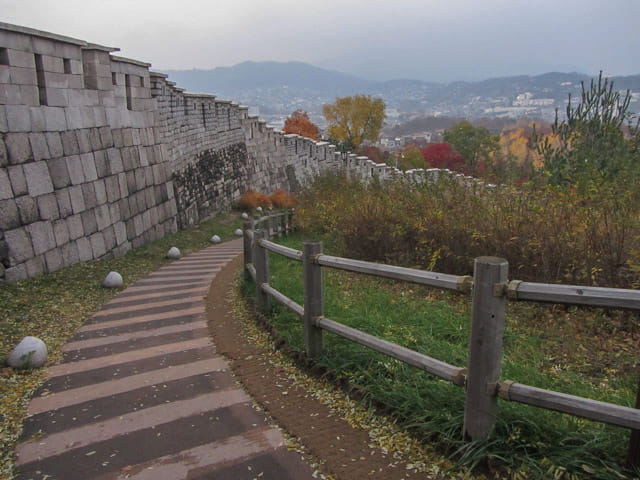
(142, 394)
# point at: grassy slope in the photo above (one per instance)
(544, 347)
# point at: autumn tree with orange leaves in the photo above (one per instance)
(300, 124)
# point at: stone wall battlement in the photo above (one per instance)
(98, 154)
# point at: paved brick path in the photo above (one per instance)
(141, 394)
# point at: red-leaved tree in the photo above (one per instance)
(442, 155)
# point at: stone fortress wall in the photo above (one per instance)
(99, 155)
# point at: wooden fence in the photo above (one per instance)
(490, 290)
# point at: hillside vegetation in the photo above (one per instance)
(575, 221)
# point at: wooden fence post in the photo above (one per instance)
(289, 220)
(246, 243)
(261, 263)
(485, 345)
(313, 298)
(283, 223)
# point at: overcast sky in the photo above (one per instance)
(424, 39)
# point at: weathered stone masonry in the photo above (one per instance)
(99, 155)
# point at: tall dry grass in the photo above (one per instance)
(547, 234)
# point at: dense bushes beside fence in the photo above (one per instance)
(547, 234)
(528, 442)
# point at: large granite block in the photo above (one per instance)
(85, 252)
(101, 193)
(38, 179)
(106, 137)
(77, 199)
(39, 146)
(121, 232)
(94, 139)
(55, 144)
(28, 209)
(74, 167)
(53, 259)
(115, 160)
(9, 216)
(16, 274)
(35, 266)
(59, 173)
(109, 238)
(64, 202)
(18, 148)
(74, 225)
(70, 253)
(59, 97)
(124, 190)
(38, 119)
(102, 165)
(48, 206)
(89, 223)
(55, 119)
(88, 167)
(5, 185)
(20, 248)
(98, 245)
(89, 195)
(114, 212)
(42, 237)
(103, 217)
(112, 188)
(61, 232)
(18, 118)
(18, 181)
(84, 144)
(70, 142)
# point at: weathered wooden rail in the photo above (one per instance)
(490, 290)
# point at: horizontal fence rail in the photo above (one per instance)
(431, 279)
(574, 295)
(281, 250)
(440, 369)
(283, 299)
(561, 402)
(490, 292)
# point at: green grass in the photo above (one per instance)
(53, 306)
(544, 347)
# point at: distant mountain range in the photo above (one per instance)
(278, 88)
(247, 76)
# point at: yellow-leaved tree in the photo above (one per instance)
(354, 119)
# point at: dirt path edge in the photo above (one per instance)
(345, 451)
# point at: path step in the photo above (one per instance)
(141, 393)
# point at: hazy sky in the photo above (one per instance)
(440, 40)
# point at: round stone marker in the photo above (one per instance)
(245, 215)
(31, 352)
(173, 253)
(239, 232)
(215, 239)
(112, 280)
(259, 209)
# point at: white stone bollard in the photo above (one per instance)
(112, 280)
(215, 239)
(259, 209)
(31, 352)
(239, 232)
(173, 253)
(245, 215)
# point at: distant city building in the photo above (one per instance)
(526, 100)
